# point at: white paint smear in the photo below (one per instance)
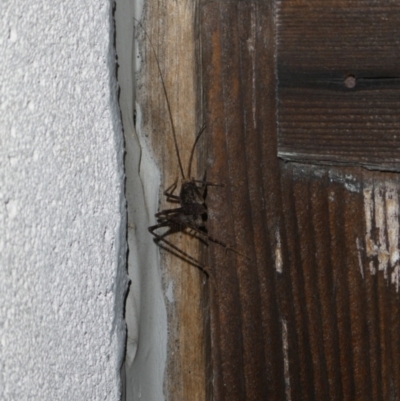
(278, 252)
(359, 251)
(381, 208)
(380, 224)
(392, 223)
(285, 345)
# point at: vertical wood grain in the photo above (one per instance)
(311, 315)
(313, 312)
(172, 31)
(239, 96)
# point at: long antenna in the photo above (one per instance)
(192, 151)
(166, 98)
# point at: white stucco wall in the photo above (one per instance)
(62, 204)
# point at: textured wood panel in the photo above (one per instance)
(247, 352)
(314, 315)
(170, 26)
(339, 81)
(343, 300)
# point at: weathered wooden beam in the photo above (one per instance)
(239, 93)
(170, 26)
(313, 312)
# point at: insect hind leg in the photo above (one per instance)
(205, 235)
(174, 249)
(169, 192)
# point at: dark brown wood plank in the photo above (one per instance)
(170, 28)
(358, 325)
(319, 196)
(313, 315)
(336, 202)
(304, 218)
(301, 363)
(246, 337)
(321, 117)
(349, 334)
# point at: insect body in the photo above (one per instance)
(191, 215)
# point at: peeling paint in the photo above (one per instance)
(381, 208)
(368, 210)
(395, 277)
(278, 252)
(285, 346)
(360, 251)
(392, 222)
(372, 268)
(350, 182)
(380, 225)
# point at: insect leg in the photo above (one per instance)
(169, 192)
(168, 211)
(204, 183)
(209, 184)
(210, 238)
(177, 251)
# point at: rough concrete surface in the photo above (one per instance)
(62, 204)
